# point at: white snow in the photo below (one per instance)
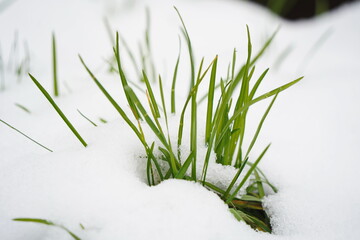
(313, 127)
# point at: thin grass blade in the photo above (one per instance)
(185, 166)
(86, 118)
(46, 222)
(209, 113)
(22, 107)
(173, 85)
(190, 50)
(17, 130)
(252, 143)
(54, 62)
(245, 178)
(58, 110)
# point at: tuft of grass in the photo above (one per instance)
(54, 65)
(225, 127)
(58, 110)
(17, 130)
(225, 122)
(48, 223)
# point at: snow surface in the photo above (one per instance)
(314, 127)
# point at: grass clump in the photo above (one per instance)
(226, 120)
(225, 124)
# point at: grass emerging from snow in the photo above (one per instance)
(226, 119)
(225, 125)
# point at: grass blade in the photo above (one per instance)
(131, 56)
(109, 30)
(138, 133)
(260, 126)
(173, 106)
(246, 106)
(123, 77)
(235, 178)
(233, 64)
(257, 84)
(54, 61)
(25, 135)
(193, 126)
(260, 186)
(34, 220)
(236, 214)
(151, 96)
(148, 44)
(185, 166)
(22, 107)
(190, 50)
(149, 170)
(209, 112)
(266, 46)
(58, 110)
(46, 222)
(194, 89)
(244, 179)
(153, 127)
(86, 118)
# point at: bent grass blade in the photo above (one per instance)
(47, 222)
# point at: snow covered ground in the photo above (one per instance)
(314, 127)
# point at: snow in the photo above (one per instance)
(314, 130)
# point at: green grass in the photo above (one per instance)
(91, 122)
(174, 78)
(22, 107)
(23, 134)
(58, 110)
(103, 120)
(54, 65)
(229, 100)
(185, 33)
(225, 126)
(48, 223)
